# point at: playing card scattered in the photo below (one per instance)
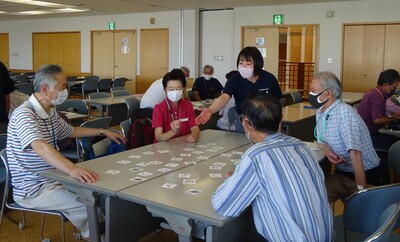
(169, 185)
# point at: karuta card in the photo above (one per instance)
(184, 175)
(169, 185)
(155, 162)
(163, 151)
(215, 168)
(172, 164)
(148, 153)
(124, 162)
(219, 164)
(135, 156)
(145, 173)
(164, 170)
(137, 179)
(190, 162)
(215, 175)
(136, 169)
(189, 181)
(112, 172)
(193, 191)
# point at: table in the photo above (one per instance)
(352, 98)
(388, 131)
(115, 107)
(299, 121)
(76, 118)
(133, 167)
(183, 198)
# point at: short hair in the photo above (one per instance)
(185, 70)
(263, 111)
(175, 75)
(210, 67)
(230, 74)
(388, 76)
(330, 81)
(252, 53)
(46, 75)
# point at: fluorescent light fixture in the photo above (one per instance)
(71, 10)
(37, 3)
(2, 12)
(37, 12)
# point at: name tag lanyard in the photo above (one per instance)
(319, 137)
(172, 115)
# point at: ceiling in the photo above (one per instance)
(111, 7)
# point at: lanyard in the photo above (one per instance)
(379, 91)
(52, 134)
(319, 137)
(172, 115)
(208, 91)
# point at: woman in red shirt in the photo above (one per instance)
(174, 116)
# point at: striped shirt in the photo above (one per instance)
(28, 123)
(283, 182)
(342, 129)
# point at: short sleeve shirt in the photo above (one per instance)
(373, 106)
(207, 89)
(28, 123)
(162, 116)
(240, 88)
(342, 129)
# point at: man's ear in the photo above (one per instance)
(44, 88)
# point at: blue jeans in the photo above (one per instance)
(238, 125)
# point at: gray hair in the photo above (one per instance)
(210, 67)
(46, 75)
(330, 81)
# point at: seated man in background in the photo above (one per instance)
(279, 177)
(174, 117)
(33, 132)
(372, 108)
(206, 87)
(344, 137)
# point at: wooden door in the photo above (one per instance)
(72, 54)
(103, 54)
(352, 58)
(125, 57)
(269, 47)
(392, 47)
(374, 46)
(40, 50)
(153, 57)
(56, 49)
(4, 49)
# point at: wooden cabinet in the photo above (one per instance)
(368, 50)
(62, 49)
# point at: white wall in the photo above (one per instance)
(222, 30)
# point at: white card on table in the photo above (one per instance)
(169, 185)
(163, 151)
(215, 168)
(172, 165)
(226, 155)
(193, 191)
(164, 169)
(186, 154)
(145, 173)
(148, 153)
(197, 152)
(219, 164)
(144, 164)
(137, 179)
(189, 181)
(184, 175)
(135, 156)
(124, 162)
(187, 149)
(176, 159)
(112, 172)
(136, 169)
(190, 162)
(155, 162)
(215, 175)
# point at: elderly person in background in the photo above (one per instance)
(33, 132)
(206, 87)
(344, 137)
(279, 177)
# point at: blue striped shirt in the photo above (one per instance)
(342, 129)
(28, 123)
(283, 182)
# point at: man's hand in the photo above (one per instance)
(84, 175)
(332, 157)
(118, 138)
(204, 116)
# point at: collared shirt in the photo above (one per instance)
(342, 129)
(240, 88)
(284, 183)
(28, 123)
(154, 95)
(184, 112)
(207, 89)
(373, 106)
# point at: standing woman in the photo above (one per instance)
(174, 116)
(251, 78)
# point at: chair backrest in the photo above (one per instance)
(28, 73)
(297, 97)
(141, 133)
(362, 209)
(120, 93)
(85, 143)
(26, 88)
(73, 105)
(386, 223)
(133, 105)
(119, 82)
(125, 126)
(393, 157)
(282, 101)
(3, 141)
(21, 79)
(89, 86)
(96, 78)
(71, 78)
(104, 85)
(118, 88)
(98, 95)
(7, 185)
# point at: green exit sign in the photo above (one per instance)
(277, 19)
(111, 25)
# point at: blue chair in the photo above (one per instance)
(26, 88)
(125, 127)
(73, 105)
(133, 105)
(89, 86)
(97, 107)
(393, 157)
(362, 210)
(386, 223)
(119, 82)
(297, 97)
(7, 197)
(232, 114)
(120, 93)
(104, 85)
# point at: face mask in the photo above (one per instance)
(175, 95)
(313, 98)
(61, 97)
(246, 73)
(207, 77)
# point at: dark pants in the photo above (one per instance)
(383, 141)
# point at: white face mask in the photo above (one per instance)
(246, 73)
(61, 97)
(175, 95)
(207, 77)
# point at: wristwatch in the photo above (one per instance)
(360, 187)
